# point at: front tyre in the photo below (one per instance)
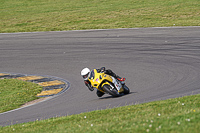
(109, 90)
(126, 89)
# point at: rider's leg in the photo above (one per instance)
(110, 72)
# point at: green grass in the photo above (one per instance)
(180, 115)
(59, 15)
(14, 93)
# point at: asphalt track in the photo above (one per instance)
(158, 63)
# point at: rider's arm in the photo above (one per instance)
(88, 84)
(101, 70)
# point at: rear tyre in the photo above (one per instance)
(109, 90)
(126, 90)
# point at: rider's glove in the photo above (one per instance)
(90, 88)
(89, 85)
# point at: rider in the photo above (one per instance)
(85, 73)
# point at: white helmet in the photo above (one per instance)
(85, 73)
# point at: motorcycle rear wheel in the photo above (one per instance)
(111, 91)
(126, 89)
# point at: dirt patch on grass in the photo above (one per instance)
(35, 101)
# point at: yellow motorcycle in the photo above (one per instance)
(108, 84)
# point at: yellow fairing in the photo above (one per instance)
(121, 90)
(96, 79)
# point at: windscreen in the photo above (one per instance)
(92, 74)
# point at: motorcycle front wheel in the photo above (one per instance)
(109, 90)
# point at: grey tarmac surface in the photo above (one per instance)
(158, 63)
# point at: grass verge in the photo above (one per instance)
(59, 15)
(180, 115)
(14, 93)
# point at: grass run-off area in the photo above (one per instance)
(14, 93)
(180, 115)
(59, 15)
